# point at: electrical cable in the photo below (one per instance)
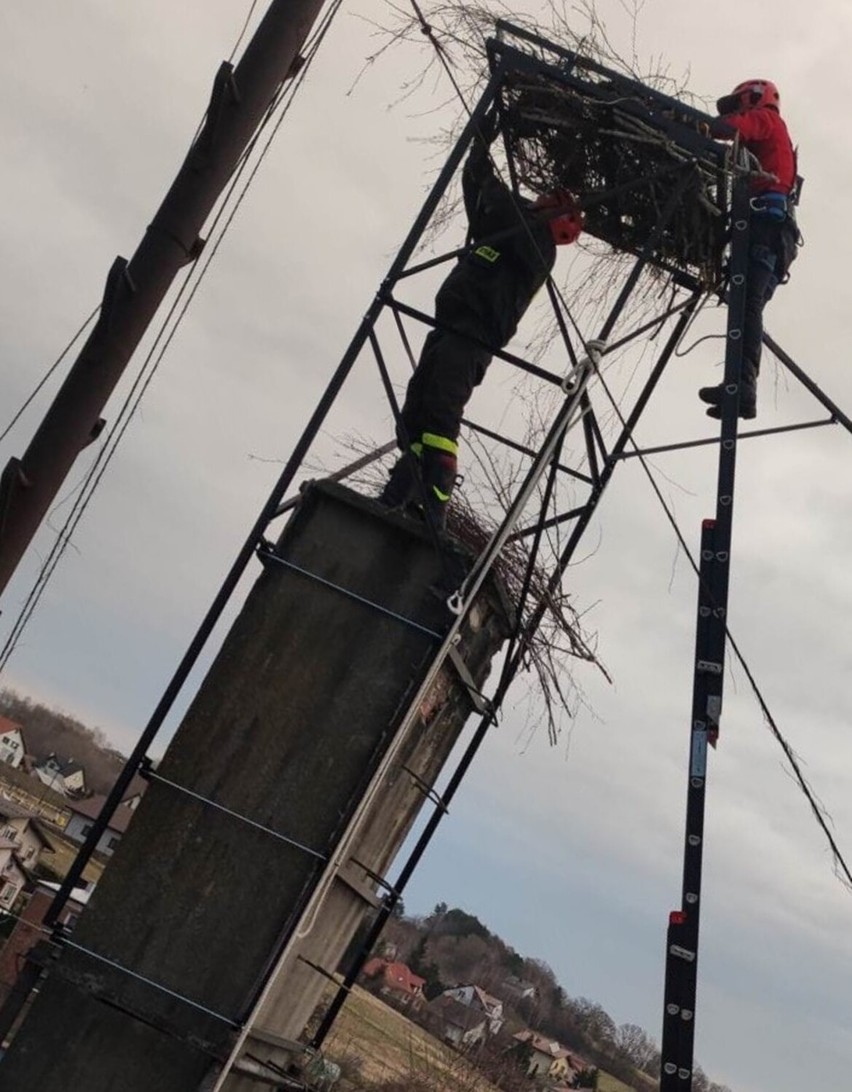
(841, 867)
(48, 374)
(242, 33)
(163, 339)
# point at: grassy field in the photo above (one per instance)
(385, 1045)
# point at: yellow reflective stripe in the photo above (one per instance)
(441, 443)
(417, 449)
(487, 252)
(441, 496)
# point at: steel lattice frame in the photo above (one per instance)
(654, 217)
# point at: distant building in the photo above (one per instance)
(516, 989)
(28, 930)
(474, 997)
(457, 1023)
(12, 746)
(64, 776)
(13, 876)
(547, 1057)
(85, 812)
(395, 980)
(135, 791)
(20, 827)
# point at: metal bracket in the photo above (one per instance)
(427, 790)
(480, 703)
(357, 885)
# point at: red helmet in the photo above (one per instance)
(566, 225)
(749, 95)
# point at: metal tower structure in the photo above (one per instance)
(655, 189)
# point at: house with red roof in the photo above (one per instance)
(395, 980)
(547, 1057)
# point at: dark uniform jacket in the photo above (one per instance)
(512, 254)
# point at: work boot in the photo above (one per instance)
(712, 395)
(748, 399)
(402, 487)
(440, 470)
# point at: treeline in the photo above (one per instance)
(47, 730)
(450, 947)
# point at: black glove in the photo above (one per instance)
(727, 104)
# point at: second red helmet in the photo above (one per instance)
(567, 225)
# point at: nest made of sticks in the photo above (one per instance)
(474, 513)
(592, 140)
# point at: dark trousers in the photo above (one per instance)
(450, 366)
(771, 249)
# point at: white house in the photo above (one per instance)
(21, 828)
(547, 1058)
(457, 1023)
(475, 998)
(12, 747)
(64, 776)
(12, 874)
(83, 815)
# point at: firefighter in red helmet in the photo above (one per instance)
(512, 250)
(753, 112)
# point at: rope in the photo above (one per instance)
(163, 339)
(841, 867)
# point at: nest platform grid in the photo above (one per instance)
(630, 153)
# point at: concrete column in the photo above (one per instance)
(296, 713)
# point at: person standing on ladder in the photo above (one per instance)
(752, 112)
(512, 250)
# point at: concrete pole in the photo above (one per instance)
(135, 289)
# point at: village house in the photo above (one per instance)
(456, 1023)
(85, 812)
(22, 829)
(547, 1057)
(395, 980)
(12, 746)
(64, 776)
(475, 998)
(13, 877)
(28, 929)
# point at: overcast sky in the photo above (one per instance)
(573, 854)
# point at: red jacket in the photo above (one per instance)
(765, 135)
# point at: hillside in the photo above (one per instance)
(47, 730)
(378, 1047)
(451, 947)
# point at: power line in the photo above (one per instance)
(841, 866)
(164, 336)
(48, 374)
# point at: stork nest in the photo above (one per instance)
(624, 159)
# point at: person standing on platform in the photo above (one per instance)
(512, 250)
